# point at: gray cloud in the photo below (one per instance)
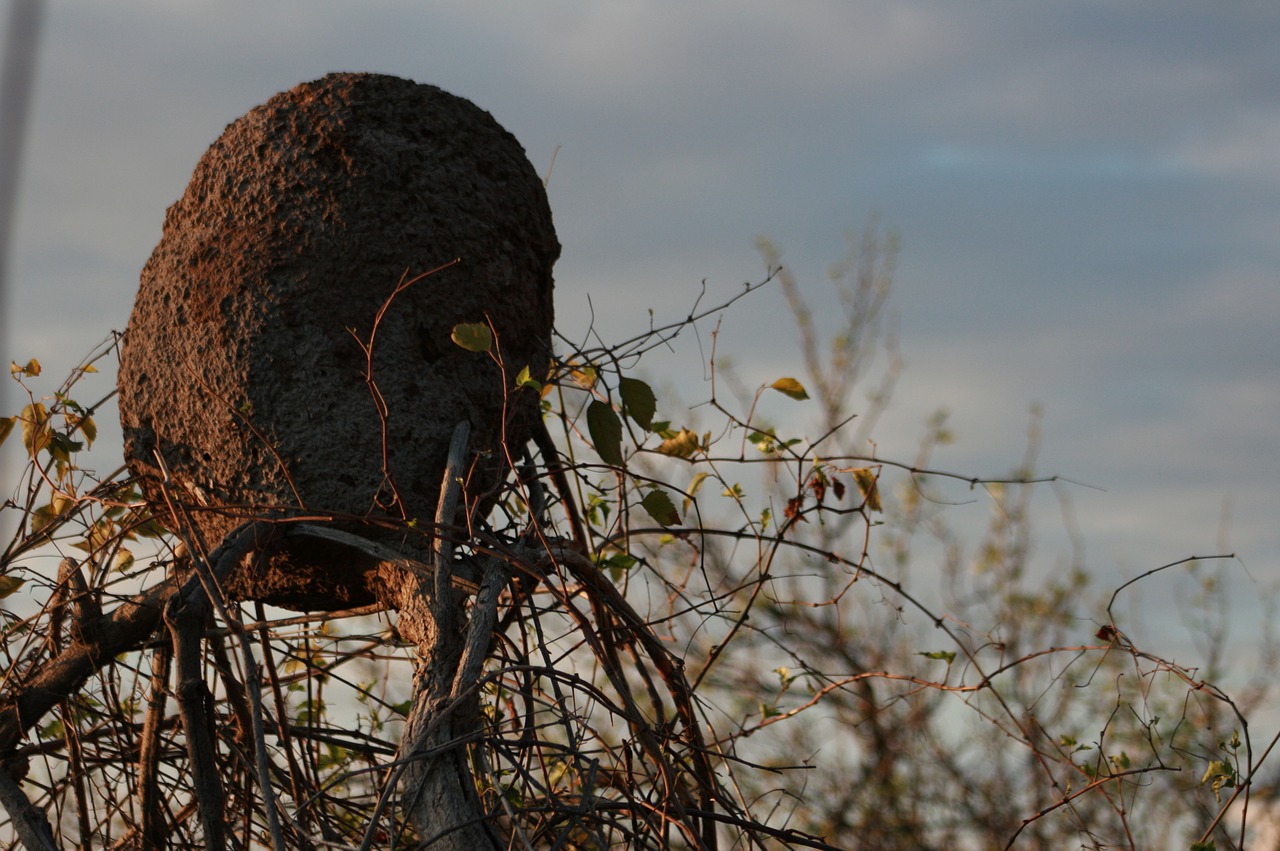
(1086, 193)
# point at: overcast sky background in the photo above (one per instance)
(1087, 194)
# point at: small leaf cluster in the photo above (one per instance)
(40, 431)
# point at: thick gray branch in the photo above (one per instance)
(28, 819)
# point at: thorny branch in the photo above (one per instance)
(585, 676)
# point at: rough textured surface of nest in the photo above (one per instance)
(243, 371)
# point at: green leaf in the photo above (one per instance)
(791, 387)
(638, 401)
(947, 656)
(473, 336)
(766, 441)
(617, 564)
(1223, 776)
(618, 561)
(61, 447)
(660, 508)
(10, 584)
(523, 379)
(606, 432)
(146, 525)
(598, 510)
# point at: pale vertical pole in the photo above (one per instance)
(16, 82)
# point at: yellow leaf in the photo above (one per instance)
(585, 377)
(32, 368)
(867, 481)
(791, 387)
(682, 445)
(99, 534)
(692, 489)
(10, 584)
(89, 429)
(123, 560)
(525, 379)
(36, 433)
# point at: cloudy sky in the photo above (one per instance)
(1087, 194)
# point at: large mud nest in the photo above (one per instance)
(242, 382)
